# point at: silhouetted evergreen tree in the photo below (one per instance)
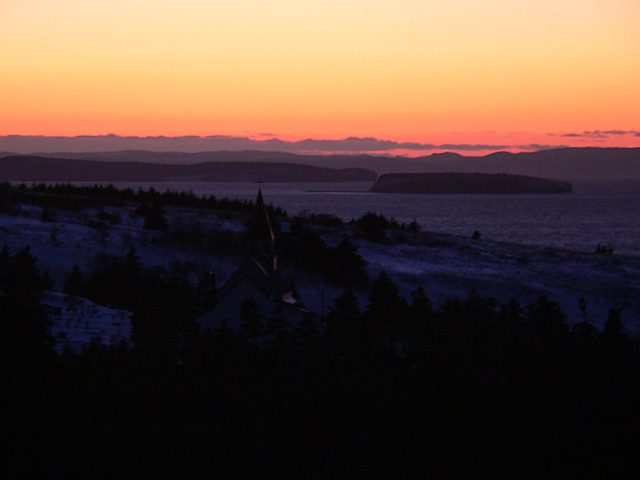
(510, 314)
(613, 325)
(414, 226)
(73, 285)
(105, 283)
(421, 311)
(206, 292)
(344, 267)
(24, 328)
(304, 248)
(5, 262)
(155, 219)
(585, 329)
(46, 215)
(546, 317)
(450, 314)
(373, 226)
(344, 316)
(164, 315)
(115, 281)
(307, 333)
(387, 310)
(478, 310)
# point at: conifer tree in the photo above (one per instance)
(546, 317)
(345, 267)
(73, 283)
(130, 277)
(5, 261)
(510, 314)
(387, 310)
(24, 328)
(373, 226)
(155, 220)
(345, 314)
(613, 325)
(421, 309)
(164, 312)
(478, 310)
(206, 292)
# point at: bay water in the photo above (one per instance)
(605, 212)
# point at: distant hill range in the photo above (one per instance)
(443, 183)
(562, 163)
(43, 169)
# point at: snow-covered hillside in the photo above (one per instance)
(452, 266)
(76, 322)
(70, 239)
(444, 265)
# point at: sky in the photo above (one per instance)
(460, 75)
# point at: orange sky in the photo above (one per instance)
(494, 72)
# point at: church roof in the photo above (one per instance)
(268, 281)
(257, 271)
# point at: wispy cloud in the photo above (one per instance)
(266, 142)
(601, 134)
(467, 147)
(536, 147)
(262, 142)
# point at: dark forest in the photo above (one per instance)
(399, 388)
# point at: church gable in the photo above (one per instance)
(228, 310)
(256, 291)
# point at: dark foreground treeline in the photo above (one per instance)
(75, 197)
(399, 389)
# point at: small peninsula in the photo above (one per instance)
(460, 183)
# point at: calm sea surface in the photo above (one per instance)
(600, 211)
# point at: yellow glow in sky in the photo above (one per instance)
(411, 70)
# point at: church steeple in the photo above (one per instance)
(260, 236)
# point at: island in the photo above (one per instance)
(460, 183)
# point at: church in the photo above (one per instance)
(256, 293)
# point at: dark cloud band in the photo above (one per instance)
(192, 144)
(602, 134)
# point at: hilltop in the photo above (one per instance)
(561, 163)
(66, 229)
(49, 169)
(429, 375)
